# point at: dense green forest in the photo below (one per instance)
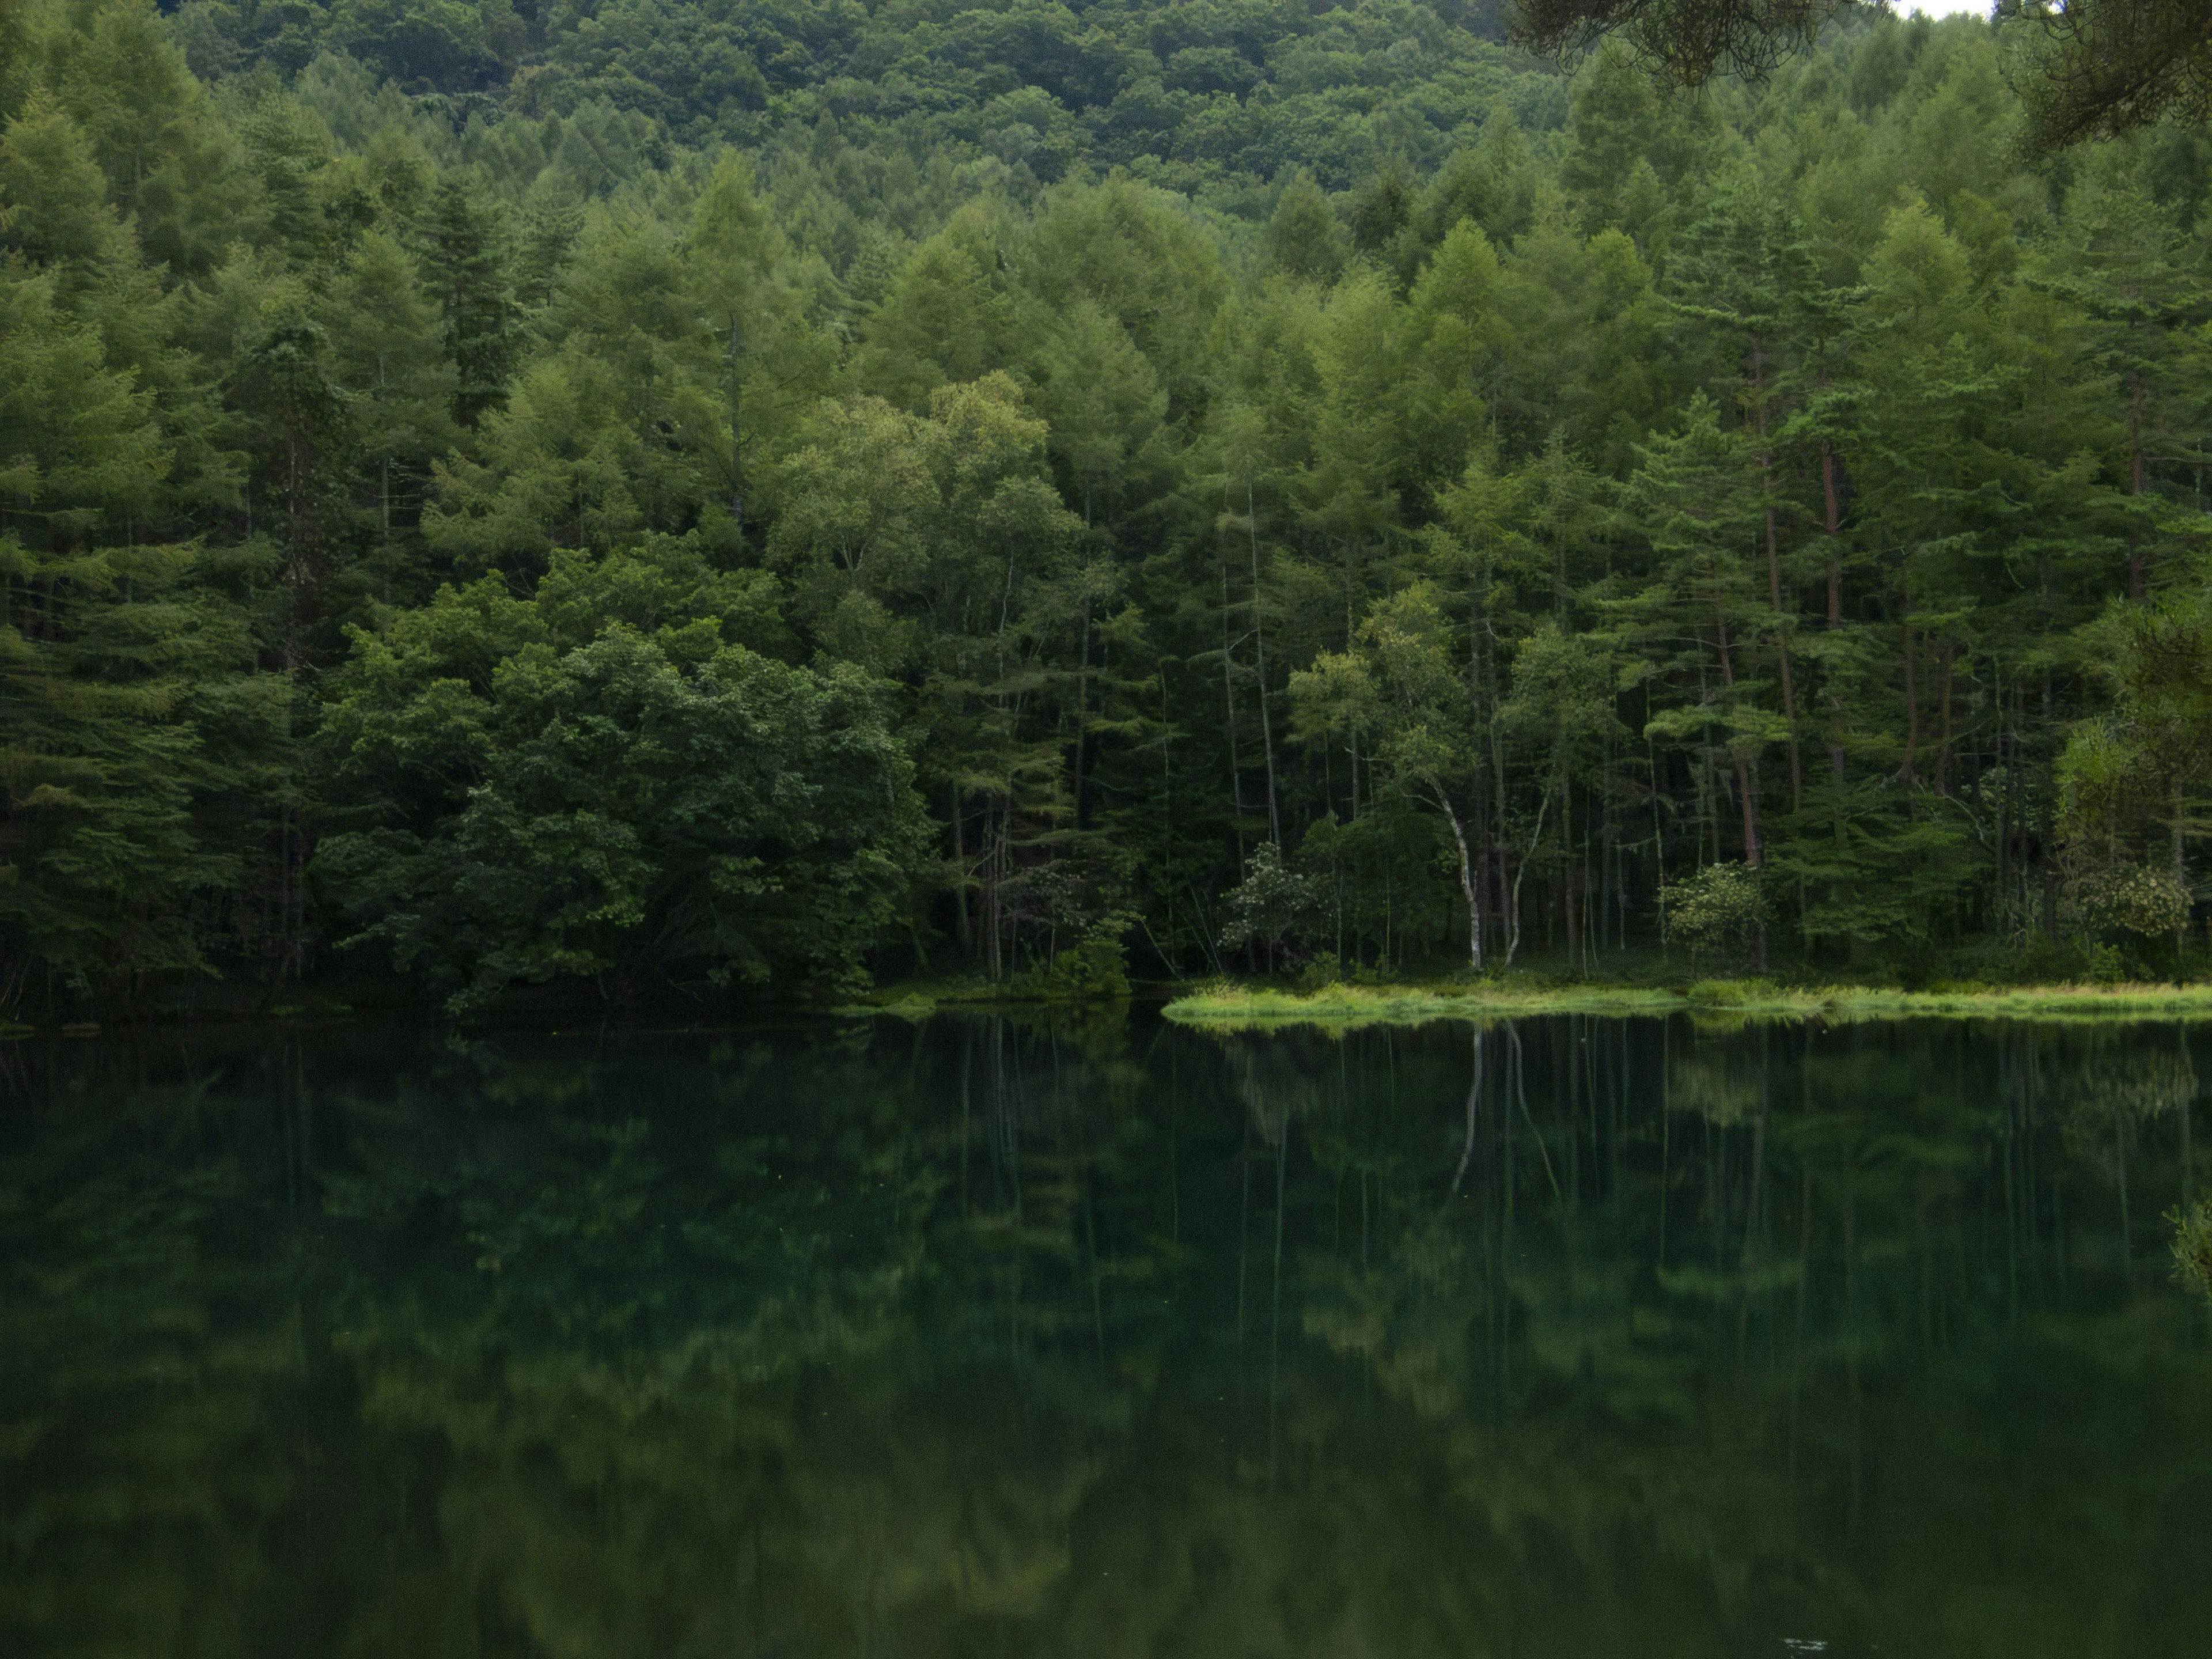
(743, 497)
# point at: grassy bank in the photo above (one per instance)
(1228, 1006)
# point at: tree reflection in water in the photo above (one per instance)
(977, 1337)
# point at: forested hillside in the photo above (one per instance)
(741, 496)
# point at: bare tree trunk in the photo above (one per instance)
(1536, 835)
(1467, 885)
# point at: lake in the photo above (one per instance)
(986, 1336)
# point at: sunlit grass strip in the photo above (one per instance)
(1222, 1007)
(2033, 1001)
(1238, 1007)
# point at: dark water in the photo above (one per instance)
(988, 1338)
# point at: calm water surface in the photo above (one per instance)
(989, 1337)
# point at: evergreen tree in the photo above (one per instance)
(465, 249)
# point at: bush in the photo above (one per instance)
(1096, 970)
(1721, 908)
(2138, 899)
(2044, 959)
(1273, 903)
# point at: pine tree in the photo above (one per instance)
(465, 251)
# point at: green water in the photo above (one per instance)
(979, 1338)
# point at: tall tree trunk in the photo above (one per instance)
(1833, 522)
(1832, 502)
(1567, 882)
(1658, 828)
(1906, 774)
(1466, 885)
(960, 885)
(736, 442)
(2181, 879)
(991, 935)
(1260, 650)
(1943, 755)
(2048, 830)
(1513, 906)
(1745, 791)
(1483, 890)
(1782, 644)
(1082, 712)
(2138, 481)
(1229, 698)
(2004, 802)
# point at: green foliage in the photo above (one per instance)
(1271, 904)
(2139, 900)
(1302, 238)
(1096, 970)
(563, 792)
(1721, 909)
(2127, 779)
(144, 758)
(1175, 430)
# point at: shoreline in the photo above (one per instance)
(1227, 1006)
(1237, 1007)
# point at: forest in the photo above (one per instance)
(749, 499)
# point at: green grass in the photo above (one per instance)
(1229, 1006)
(1223, 1005)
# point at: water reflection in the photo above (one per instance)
(1568, 1337)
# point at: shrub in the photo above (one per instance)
(1096, 970)
(1272, 902)
(2137, 898)
(1721, 908)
